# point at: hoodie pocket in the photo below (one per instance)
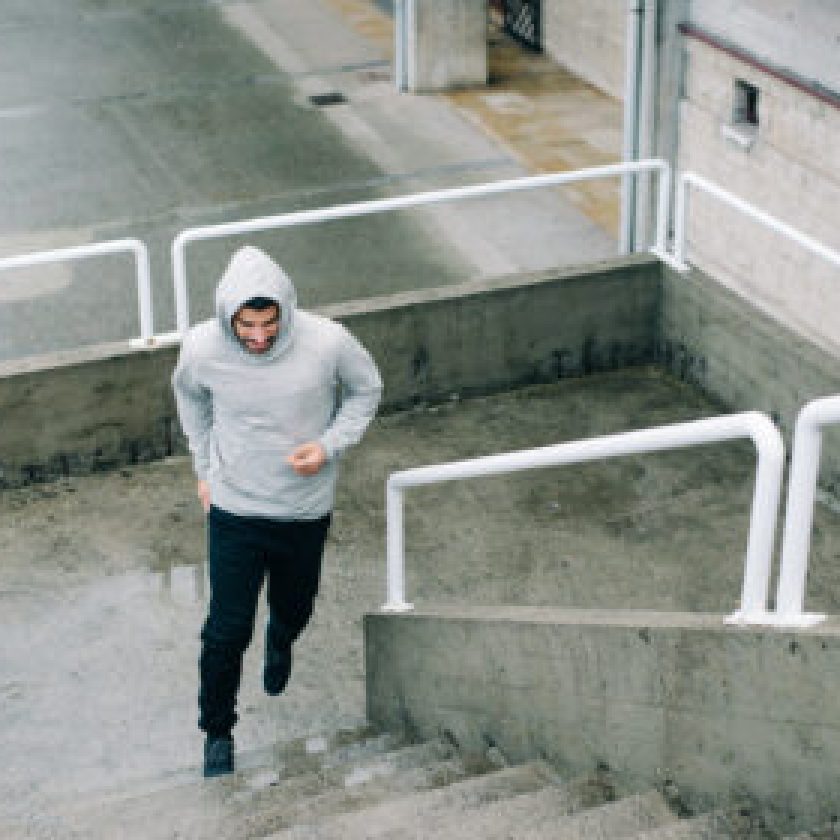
(261, 473)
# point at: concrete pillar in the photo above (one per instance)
(446, 44)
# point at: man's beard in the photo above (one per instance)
(270, 342)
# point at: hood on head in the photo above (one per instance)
(252, 273)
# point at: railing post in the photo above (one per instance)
(680, 233)
(179, 280)
(395, 548)
(144, 291)
(799, 517)
(765, 505)
(661, 242)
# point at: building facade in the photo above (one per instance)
(748, 96)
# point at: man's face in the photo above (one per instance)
(257, 329)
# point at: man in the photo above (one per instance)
(268, 397)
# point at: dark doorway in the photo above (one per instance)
(523, 20)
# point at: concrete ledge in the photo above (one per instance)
(104, 406)
(482, 337)
(100, 407)
(724, 714)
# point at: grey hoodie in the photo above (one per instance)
(244, 413)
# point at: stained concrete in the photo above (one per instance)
(103, 587)
(714, 713)
(713, 339)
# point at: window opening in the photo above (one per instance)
(745, 104)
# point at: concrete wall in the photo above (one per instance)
(713, 714)
(78, 412)
(792, 168)
(588, 36)
(799, 34)
(791, 171)
(487, 336)
(446, 45)
(102, 407)
(715, 340)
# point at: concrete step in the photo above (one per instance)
(711, 826)
(495, 806)
(256, 801)
(287, 758)
(626, 818)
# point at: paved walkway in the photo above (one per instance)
(181, 115)
(547, 117)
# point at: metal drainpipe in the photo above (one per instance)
(400, 40)
(645, 144)
(635, 11)
(399, 51)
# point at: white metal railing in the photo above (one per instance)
(687, 179)
(95, 249)
(366, 208)
(763, 515)
(799, 516)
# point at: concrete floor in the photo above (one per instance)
(103, 589)
(125, 119)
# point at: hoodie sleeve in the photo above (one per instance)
(360, 389)
(195, 411)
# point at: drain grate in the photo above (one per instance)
(331, 98)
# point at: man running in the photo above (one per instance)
(268, 397)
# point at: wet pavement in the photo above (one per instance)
(103, 589)
(143, 119)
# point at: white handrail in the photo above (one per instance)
(366, 208)
(765, 504)
(686, 179)
(94, 249)
(799, 516)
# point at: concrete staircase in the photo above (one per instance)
(360, 784)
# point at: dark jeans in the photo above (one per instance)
(241, 552)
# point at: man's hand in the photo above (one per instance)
(308, 458)
(204, 495)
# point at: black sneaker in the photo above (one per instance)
(218, 755)
(277, 666)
